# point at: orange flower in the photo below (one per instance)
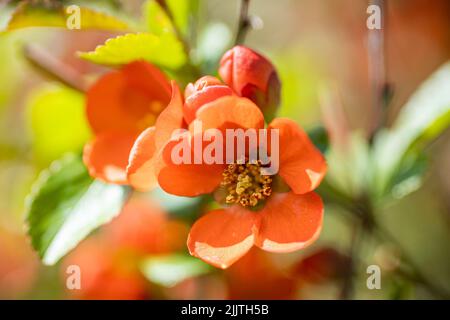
(261, 212)
(109, 260)
(253, 76)
(255, 276)
(106, 273)
(120, 105)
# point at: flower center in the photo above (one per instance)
(245, 184)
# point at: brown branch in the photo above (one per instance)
(54, 68)
(244, 23)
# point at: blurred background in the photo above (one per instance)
(314, 45)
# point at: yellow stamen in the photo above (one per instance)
(245, 184)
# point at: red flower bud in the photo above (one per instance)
(204, 90)
(252, 76)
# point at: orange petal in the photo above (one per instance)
(290, 222)
(196, 100)
(187, 179)
(230, 112)
(128, 99)
(223, 236)
(141, 163)
(302, 166)
(106, 157)
(149, 79)
(170, 119)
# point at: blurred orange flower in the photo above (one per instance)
(120, 105)
(109, 260)
(255, 276)
(18, 265)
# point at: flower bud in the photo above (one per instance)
(204, 90)
(252, 76)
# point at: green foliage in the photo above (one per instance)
(56, 116)
(158, 22)
(169, 270)
(165, 50)
(424, 117)
(66, 204)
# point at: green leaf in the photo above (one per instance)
(66, 204)
(35, 15)
(56, 116)
(169, 270)
(424, 116)
(409, 177)
(164, 51)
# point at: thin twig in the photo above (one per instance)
(55, 68)
(192, 68)
(244, 23)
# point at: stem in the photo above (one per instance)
(186, 47)
(55, 68)
(244, 23)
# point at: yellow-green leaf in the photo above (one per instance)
(57, 120)
(164, 50)
(27, 15)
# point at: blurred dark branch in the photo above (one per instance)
(54, 68)
(244, 23)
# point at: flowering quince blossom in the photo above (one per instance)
(277, 213)
(261, 212)
(120, 105)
